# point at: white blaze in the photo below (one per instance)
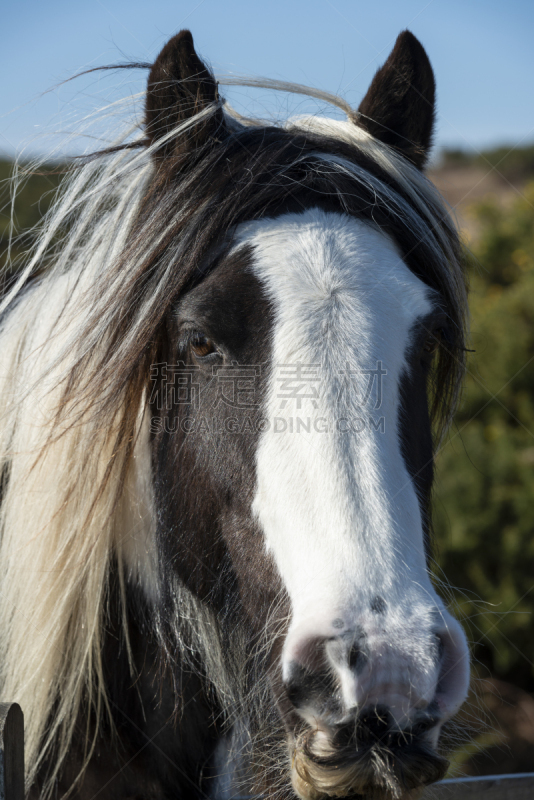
(339, 511)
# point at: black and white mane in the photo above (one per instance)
(212, 584)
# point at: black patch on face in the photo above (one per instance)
(414, 418)
(204, 462)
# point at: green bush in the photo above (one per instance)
(515, 164)
(484, 499)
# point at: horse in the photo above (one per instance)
(225, 368)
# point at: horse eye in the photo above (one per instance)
(201, 345)
(433, 342)
(431, 345)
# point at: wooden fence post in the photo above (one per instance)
(11, 752)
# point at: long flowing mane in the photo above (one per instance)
(81, 323)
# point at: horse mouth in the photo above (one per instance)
(346, 764)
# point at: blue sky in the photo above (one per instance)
(481, 50)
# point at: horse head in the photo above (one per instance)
(293, 473)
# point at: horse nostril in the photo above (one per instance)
(348, 649)
(295, 685)
(453, 661)
(304, 687)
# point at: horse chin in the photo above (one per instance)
(392, 770)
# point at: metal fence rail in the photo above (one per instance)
(494, 787)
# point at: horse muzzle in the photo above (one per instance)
(366, 759)
(373, 698)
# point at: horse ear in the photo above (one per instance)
(179, 87)
(399, 107)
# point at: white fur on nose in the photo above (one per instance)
(338, 509)
(395, 662)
